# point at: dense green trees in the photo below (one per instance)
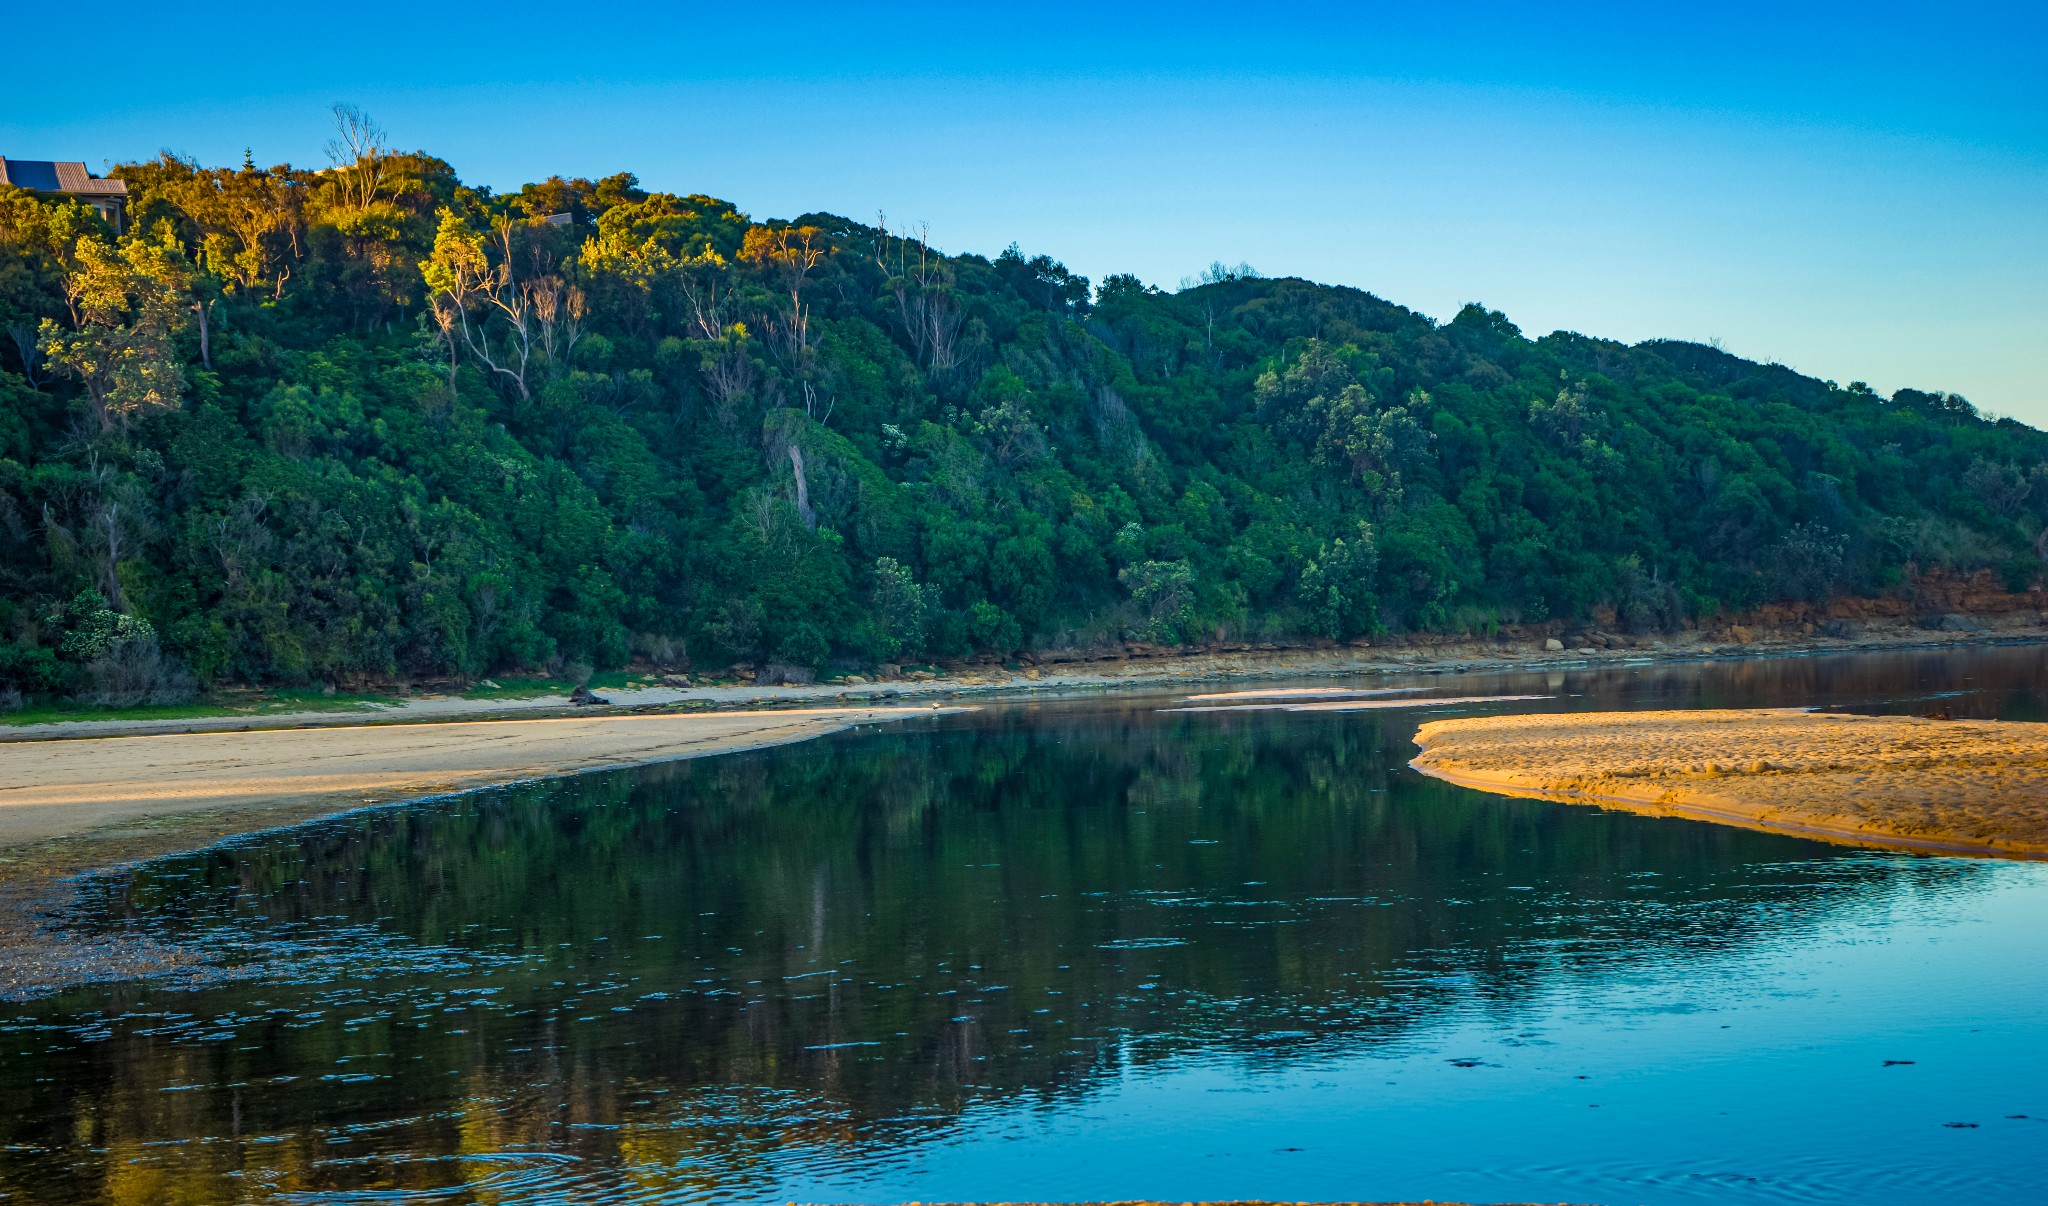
(372, 422)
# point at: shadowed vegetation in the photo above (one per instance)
(297, 427)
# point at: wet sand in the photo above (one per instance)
(63, 788)
(1953, 786)
(78, 805)
(1351, 705)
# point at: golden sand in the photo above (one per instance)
(1961, 786)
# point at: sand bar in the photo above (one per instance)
(60, 788)
(1958, 786)
(1302, 693)
(1360, 705)
(82, 804)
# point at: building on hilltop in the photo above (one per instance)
(67, 180)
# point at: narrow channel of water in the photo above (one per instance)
(1072, 950)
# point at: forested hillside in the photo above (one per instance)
(343, 426)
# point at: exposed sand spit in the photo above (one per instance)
(55, 788)
(1356, 705)
(77, 804)
(1304, 693)
(1965, 786)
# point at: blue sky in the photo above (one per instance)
(1860, 192)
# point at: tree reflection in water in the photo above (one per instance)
(684, 978)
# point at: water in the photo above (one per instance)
(1077, 950)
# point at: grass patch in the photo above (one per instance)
(59, 714)
(232, 703)
(270, 703)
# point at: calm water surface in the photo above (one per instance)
(1073, 950)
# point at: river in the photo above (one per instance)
(1069, 949)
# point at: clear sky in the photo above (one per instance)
(1858, 191)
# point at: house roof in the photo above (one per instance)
(49, 176)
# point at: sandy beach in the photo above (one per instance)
(1956, 786)
(63, 788)
(81, 804)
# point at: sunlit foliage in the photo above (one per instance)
(370, 422)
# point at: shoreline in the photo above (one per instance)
(1975, 788)
(1054, 679)
(75, 808)
(779, 704)
(66, 789)
(1701, 812)
(124, 825)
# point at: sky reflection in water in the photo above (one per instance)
(1087, 950)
